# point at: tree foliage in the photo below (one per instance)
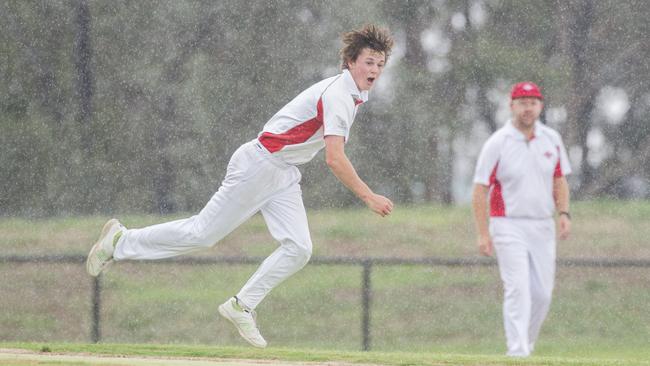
(136, 106)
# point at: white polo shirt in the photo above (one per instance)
(295, 134)
(520, 173)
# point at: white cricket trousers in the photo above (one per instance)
(255, 181)
(525, 250)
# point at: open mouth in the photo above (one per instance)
(371, 80)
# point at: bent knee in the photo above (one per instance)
(304, 252)
(301, 250)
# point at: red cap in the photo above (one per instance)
(526, 89)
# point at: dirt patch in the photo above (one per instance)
(26, 357)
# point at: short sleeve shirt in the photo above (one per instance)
(296, 132)
(520, 173)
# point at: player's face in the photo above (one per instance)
(525, 111)
(366, 68)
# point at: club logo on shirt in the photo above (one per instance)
(548, 154)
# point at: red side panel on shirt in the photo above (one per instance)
(558, 168)
(299, 134)
(497, 206)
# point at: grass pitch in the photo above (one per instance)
(597, 313)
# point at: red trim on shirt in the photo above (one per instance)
(297, 135)
(558, 168)
(497, 205)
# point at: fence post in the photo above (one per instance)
(366, 297)
(97, 289)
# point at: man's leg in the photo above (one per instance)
(286, 219)
(512, 257)
(243, 191)
(221, 215)
(542, 275)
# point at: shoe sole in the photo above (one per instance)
(97, 246)
(224, 314)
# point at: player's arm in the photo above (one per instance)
(342, 168)
(561, 197)
(486, 165)
(479, 205)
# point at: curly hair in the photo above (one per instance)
(369, 36)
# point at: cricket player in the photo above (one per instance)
(523, 168)
(262, 175)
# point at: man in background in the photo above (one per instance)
(523, 168)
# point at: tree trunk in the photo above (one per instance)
(82, 54)
(577, 20)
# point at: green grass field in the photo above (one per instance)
(139, 354)
(417, 311)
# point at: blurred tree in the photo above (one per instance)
(137, 106)
(605, 45)
(36, 127)
(84, 80)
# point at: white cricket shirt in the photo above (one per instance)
(296, 133)
(520, 173)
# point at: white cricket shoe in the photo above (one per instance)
(243, 319)
(101, 254)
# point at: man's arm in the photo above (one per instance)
(479, 204)
(561, 196)
(342, 168)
